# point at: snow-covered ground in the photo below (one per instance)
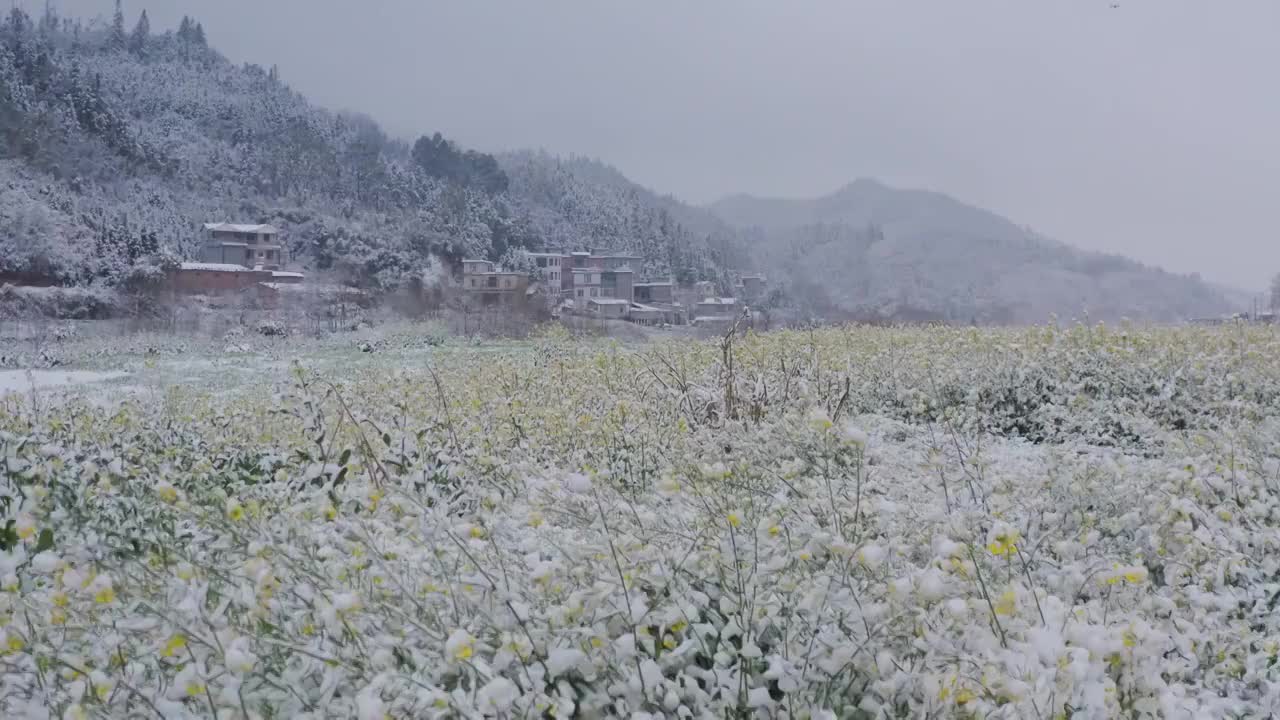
(27, 380)
(1079, 522)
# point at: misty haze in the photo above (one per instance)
(405, 359)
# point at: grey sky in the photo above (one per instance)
(1151, 129)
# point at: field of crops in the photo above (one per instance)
(1043, 523)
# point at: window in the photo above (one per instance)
(493, 282)
(595, 292)
(473, 282)
(506, 282)
(580, 291)
(542, 262)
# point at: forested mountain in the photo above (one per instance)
(115, 144)
(872, 251)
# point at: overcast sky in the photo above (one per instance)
(1150, 129)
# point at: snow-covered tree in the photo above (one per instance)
(116, 38)
(141, 35)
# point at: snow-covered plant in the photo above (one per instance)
(883, 529)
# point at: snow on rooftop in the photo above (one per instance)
(233, 227)
(213, 267)
(283, 274)
(720, 301)
(610, 301)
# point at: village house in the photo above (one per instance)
(751, 288)
(550, 265)
(654, 292)
(584, 285)
(648, 315)
(609, 307)
(486, 285)
(233, 258)
(715, 307)
(655, 303)
(253, 246)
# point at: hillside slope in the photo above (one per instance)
(869, 250)
(115, 146)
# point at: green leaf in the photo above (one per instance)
(45, 541)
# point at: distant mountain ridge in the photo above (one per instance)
(872, 251)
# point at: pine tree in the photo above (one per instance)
(117, 40)
(141, 34)
(49, 22)
(198, 35)
(184, 29)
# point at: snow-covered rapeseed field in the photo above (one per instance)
(862, 523)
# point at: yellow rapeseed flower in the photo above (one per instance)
(1005, 543)
(1130, 639)
(1008, 603)
(176, 643)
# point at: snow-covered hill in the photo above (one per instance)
(116, 145)
(869, 250)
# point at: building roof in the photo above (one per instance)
(661, 283)
(282, 274)
(609, 301)
(545, 254)
(232, 227)
(719, 301)
(213, 267)
(645, 309)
